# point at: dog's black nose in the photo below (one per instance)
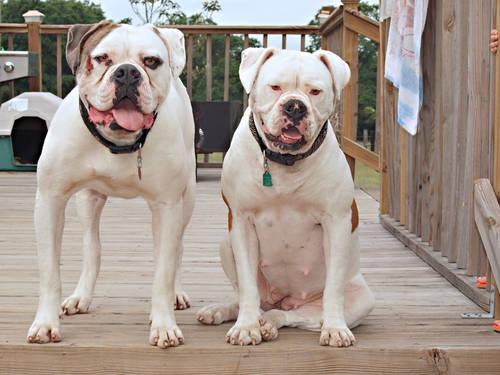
(127, 74)
(295, 110)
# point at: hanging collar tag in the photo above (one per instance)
(267, 178)
(139, 162)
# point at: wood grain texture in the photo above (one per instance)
(453, 145)
(487, 219)
(414, 329)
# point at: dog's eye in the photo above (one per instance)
(276, 87)
(151, 62)
(103, 59)
(315, 92)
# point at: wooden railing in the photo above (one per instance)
(340, 33)
(262, 34)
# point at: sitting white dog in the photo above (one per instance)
(125, 130)
(292, 248)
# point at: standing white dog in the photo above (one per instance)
(125, 130)
(292, 248)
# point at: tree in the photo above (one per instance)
(151, 11)
(56, 12)
(176, 16)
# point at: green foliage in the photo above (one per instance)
(56, 12)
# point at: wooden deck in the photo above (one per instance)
(415, 328)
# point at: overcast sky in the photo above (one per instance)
(241, 12)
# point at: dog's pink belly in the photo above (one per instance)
(292, 264)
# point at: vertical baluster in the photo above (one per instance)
(264, 41)
(58, 65)
(208, 67)
(245, 96)
(190, 66)
(283, 41)
(302, 42)
(10, 47)
(227, 61)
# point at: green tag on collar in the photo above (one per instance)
(267, 179)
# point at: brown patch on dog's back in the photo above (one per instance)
(354, 216)
(229, 213)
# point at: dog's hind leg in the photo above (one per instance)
(89, 204)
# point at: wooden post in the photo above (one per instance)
(33, 19)
(384, 183)
(227, 62)
(350, 94)
(190, 66)
(208, 68)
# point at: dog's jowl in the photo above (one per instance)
(125, 130)
(291, 251)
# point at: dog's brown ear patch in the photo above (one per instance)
(229, 214)
(82, 39)
(354, 216)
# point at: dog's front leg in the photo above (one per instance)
(244, 242)
(167, 220)
(49, 225)
(337, 244)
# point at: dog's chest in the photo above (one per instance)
(291, 250)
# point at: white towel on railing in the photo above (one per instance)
(402, 63)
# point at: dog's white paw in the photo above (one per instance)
(213, 314)
(268, 329)
(244, 334)
(182, 301)
(165, 336)
(76, 304)
(44, 330)
(336, 336)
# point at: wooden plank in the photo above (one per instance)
(358, 152)
(264, 41)
(208, 68)
(381, 84)
(402, 177)
(333, 22)
(362, 25)
(227, 62)
(427, 122)
(479, 130)
(58, 66)
(411, 297)
(453, 117)
(227, 29)
(283, 41)
(190, 66)
(303, 42)
(350, 93)
(457, 277)
(487, 219)
(245, 95)
(10, 47)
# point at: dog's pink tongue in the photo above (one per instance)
(291, 135)
(127, 116)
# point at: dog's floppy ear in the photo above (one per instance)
(251, 61)
(337, 67)
(174, 40)
(83, 38)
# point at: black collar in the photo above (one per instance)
(113, 148)
(286, 159)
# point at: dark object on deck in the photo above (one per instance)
(28, 135)
(215, 123)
